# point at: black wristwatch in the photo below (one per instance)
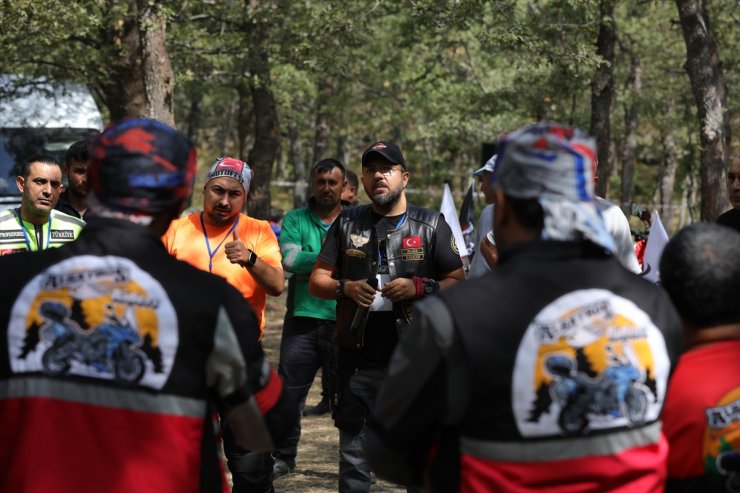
(340, 288)
(252, 259)
(430, 286)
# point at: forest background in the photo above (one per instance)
(283, 83)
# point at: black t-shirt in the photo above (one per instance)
(380, 329)
(731, 219)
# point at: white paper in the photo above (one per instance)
(381, 304)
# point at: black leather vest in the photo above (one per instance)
(409, 251)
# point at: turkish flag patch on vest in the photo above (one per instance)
(411, 242)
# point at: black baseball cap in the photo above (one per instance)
(389, 151)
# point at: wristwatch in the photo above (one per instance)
(252, 259)
(430, 286)
(340, 288)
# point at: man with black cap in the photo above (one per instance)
(114, 353)
(550, 374)
(376, 261)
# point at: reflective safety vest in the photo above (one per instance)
(17, 235)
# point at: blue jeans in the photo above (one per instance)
(354, 471)
(305, 347)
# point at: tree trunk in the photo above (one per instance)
(138, 79)
(262, 156)
(121, 87)
(195, 115)
(602, 92)
(668, 176)
(300, 187)
(322, 128)
(631, 121)
(156, 67)
(244, 120)
(704, 68)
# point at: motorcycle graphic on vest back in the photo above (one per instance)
(110, 347)
(618, 392)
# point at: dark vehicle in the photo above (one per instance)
(109, 347)
(40, 117)
(616, 392)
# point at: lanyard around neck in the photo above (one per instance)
(212, 254)
(25, 233)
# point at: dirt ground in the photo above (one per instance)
(318, 450)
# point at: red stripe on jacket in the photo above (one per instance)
(640, 469)
(54, 445)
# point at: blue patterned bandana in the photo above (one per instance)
(554, 164)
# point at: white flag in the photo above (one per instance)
(656, 242)
(448, 209)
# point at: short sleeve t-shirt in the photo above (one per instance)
(380, 329)
(186, 240)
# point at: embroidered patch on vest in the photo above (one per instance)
(453, 244)
(358, 240)
(95, 317)
(411, 242)
(353, 252)
(412, 254)
(589, 361)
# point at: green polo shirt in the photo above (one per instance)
(301, 237)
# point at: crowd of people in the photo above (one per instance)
(132, 353)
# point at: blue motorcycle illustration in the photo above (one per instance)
(616, 392)
(109, 347)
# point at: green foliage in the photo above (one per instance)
(437, 77)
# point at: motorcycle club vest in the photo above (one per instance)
(567, 356)
(409, 251)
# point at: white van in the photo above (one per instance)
(40, 117)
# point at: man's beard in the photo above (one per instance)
(78, 191)
(223, 220)
(387, 200)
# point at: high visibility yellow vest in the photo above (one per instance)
(17, 235)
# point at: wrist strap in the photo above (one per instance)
(340, 288)
(419, 285)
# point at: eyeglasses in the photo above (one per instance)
(383, 170)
